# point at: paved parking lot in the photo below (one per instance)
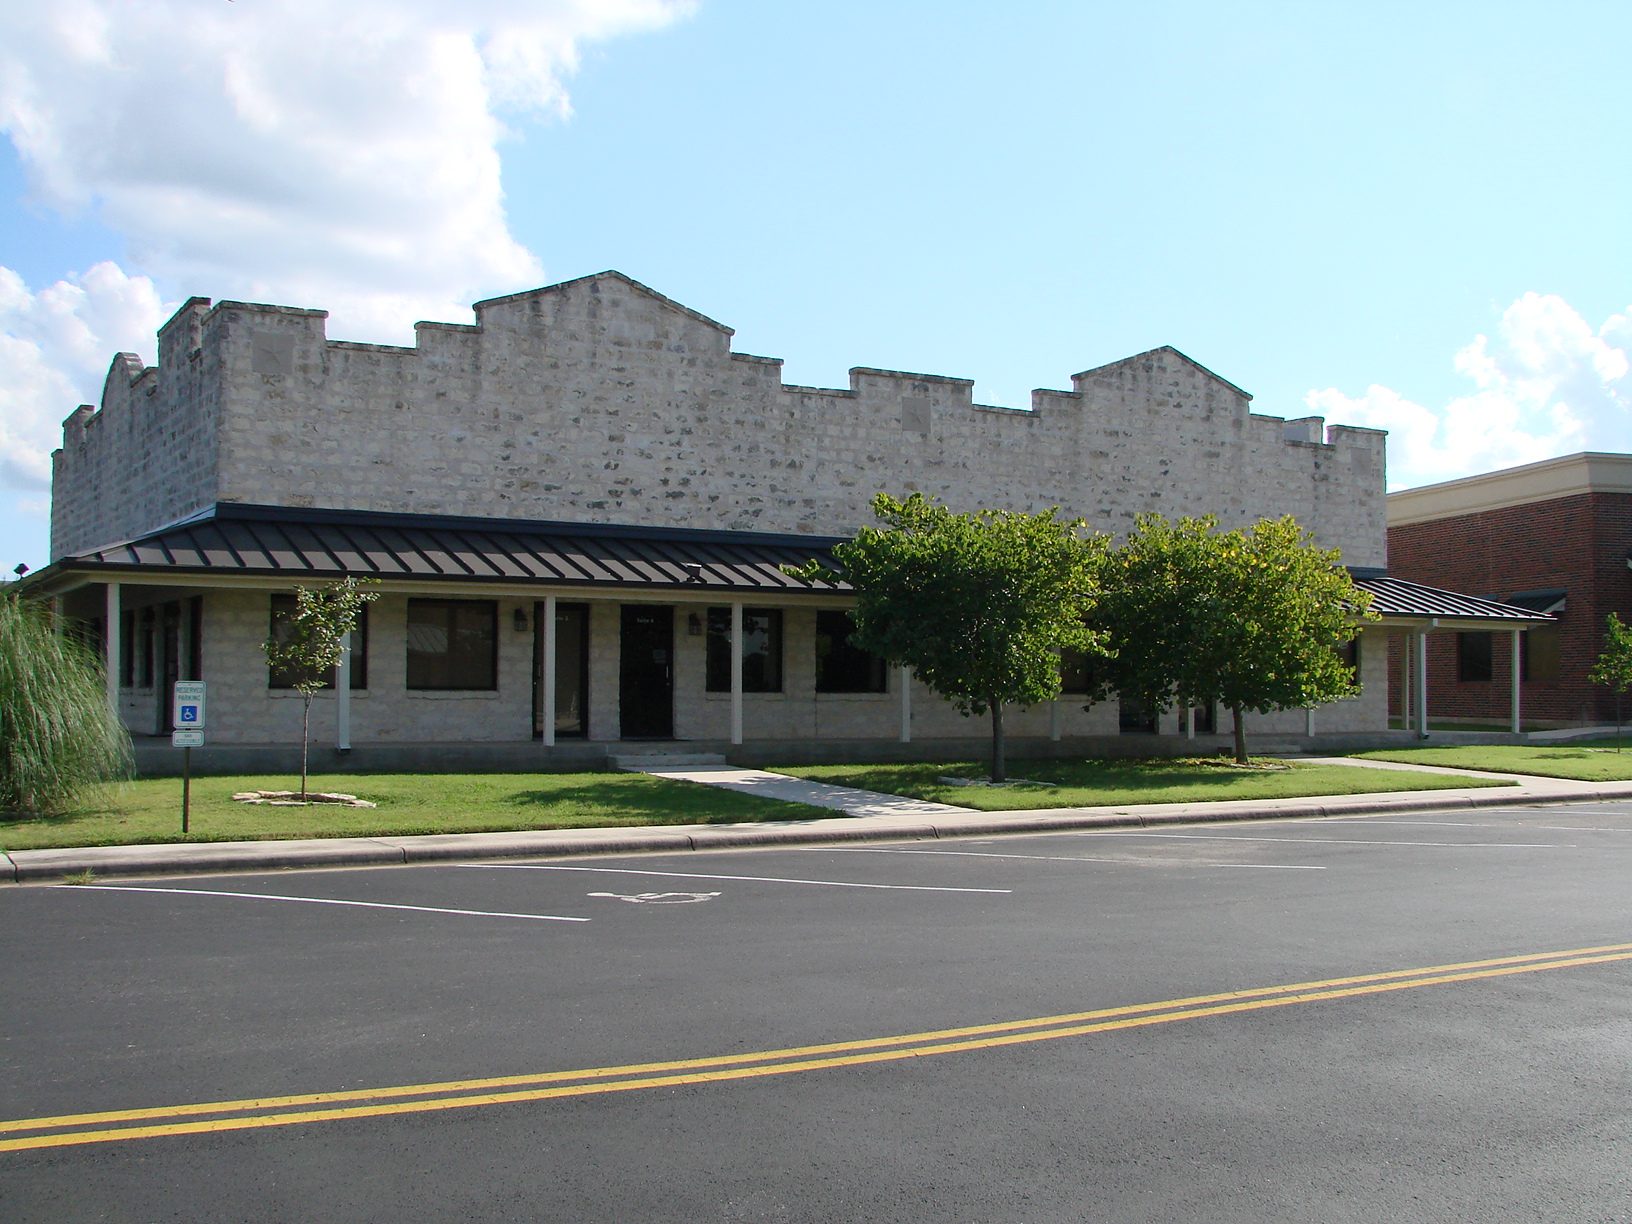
(1388, 1018)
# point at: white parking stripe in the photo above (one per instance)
(697, 875)
(427, 909)
(1344, 841)
(1047, 858)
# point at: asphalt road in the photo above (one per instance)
(1480, 1068)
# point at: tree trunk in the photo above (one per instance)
(1240, 736)
(305, 736)
(1000, 770)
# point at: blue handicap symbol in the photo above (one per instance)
(189, 713)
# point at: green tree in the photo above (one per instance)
(1248, 619)
(1614, 666)
(58, 738)
(976, 605)
(308, 643)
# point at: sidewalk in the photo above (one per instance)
(868, 816)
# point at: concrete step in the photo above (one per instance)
(665, 760)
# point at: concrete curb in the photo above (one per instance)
(207, 858)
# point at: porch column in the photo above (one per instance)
(1189, 720)
(1422, 685)
(342, 697)
(1514, 680)
(547, 696)
(1405, 685)
(736, 673)
(110, 647)
(1308, 720)
(906, 705)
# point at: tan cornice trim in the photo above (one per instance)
(1566, 476)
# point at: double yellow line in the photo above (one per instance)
(70, 1130)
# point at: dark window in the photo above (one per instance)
(283, 607)
(453, 644)
(127, 649)
(1538, 654)
(1136, 715)
(195, 640)
(1349, 652)
(1206, 719)
(761, 650)
(1473, 654)
(1076, 671)
(841, 667)
(144, 647)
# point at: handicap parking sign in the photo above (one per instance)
(188, 710)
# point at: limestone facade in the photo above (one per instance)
(601, 401)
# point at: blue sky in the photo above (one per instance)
(1408, 216)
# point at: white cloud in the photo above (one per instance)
(340, 154)
(1546, 385)
(333, 153)
(55, 346)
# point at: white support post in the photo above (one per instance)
(547, 697)
(1515, 681)
(736, 673)
(1189, 721)
(1421, 694)
(1308, 721)
(905, 680)
(342, 696)
(110, 645)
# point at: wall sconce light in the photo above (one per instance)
(694, 625)
(519, 619)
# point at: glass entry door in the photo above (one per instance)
(646, 673)
(571, 711)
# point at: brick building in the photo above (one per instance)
(1551, 536)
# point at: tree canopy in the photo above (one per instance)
(976, 605)
(1247, 618)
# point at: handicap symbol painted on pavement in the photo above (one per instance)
(667, 898)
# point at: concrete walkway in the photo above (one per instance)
(870, 817)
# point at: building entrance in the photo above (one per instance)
(646, 673)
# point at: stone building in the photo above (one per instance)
(578, 503)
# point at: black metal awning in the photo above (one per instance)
(1397, 599)
(232, 540)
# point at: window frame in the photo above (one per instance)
(1469, 664)
(286, 604)
(859, 658)
(492, 608)
(717, 651)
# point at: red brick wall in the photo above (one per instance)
(1578, 544)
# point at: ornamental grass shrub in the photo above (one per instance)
(58, 739)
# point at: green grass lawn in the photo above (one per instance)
(1094, 783)
(1594, 762)
(149, 810)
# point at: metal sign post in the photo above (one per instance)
(188, 717)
